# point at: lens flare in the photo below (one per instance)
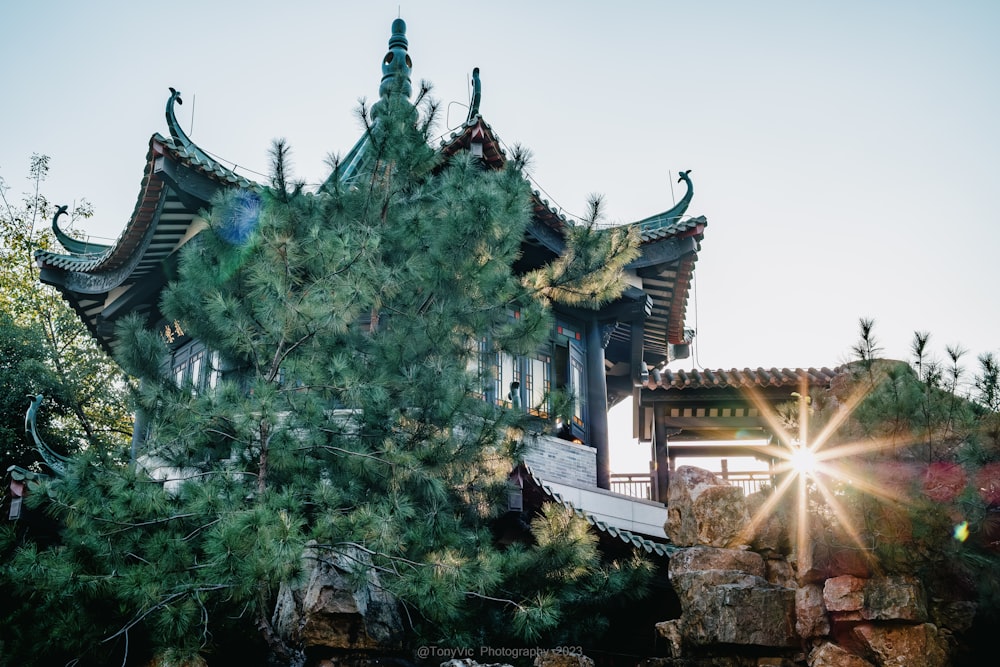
(819, 468)
(803, 461)
(962, 531)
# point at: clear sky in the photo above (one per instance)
(844, 153)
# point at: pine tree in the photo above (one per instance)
(350, 327)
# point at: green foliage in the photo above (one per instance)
(345, 419)
(23, 371)
(86, 393)
(923, 497)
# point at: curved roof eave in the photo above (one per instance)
(177, 184)
(157, 183)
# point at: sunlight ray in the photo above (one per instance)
(854, 448)
(842, 415)
(802, 544)
(845, 521)
(883, 491)
(765, 510)
(768, 414)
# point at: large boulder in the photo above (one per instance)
(330, 610)
(725, 599)
(904, 645)
(703, 510)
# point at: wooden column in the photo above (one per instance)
(597, 403)
(661, 452)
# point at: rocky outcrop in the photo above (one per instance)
(757, 598)
(328, 610)
(703, 510)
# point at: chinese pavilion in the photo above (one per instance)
(601, 356)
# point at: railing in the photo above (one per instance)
(635, 484)
(639, 485)
(750, 482)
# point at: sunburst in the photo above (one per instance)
(809, 462)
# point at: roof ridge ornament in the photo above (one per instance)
(178, 134)
(396, 65)
(53, 459)
(74, 246)
(477, 95)
(673, 214)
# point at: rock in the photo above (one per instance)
(834, 561)
(843, 560)
(469, 662)
(328, 611)
(830, 655)
(904, 645)
(703, 510)
(844, 593)
(702, 559)
(810, 614)
(774, 662)
(730, 606)
(561, 659)
(851, 598)
(894, 598)
(779, 572)
(671, 631)
(956, 615)
(770, 530)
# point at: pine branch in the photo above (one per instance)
(505, 601)
(371, 552)
(139, 617)
(341, 450)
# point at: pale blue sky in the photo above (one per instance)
(844, 153)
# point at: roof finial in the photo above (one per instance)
(477, 95)
(180, 137)
(397, 64)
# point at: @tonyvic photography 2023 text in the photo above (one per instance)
(510, 652)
